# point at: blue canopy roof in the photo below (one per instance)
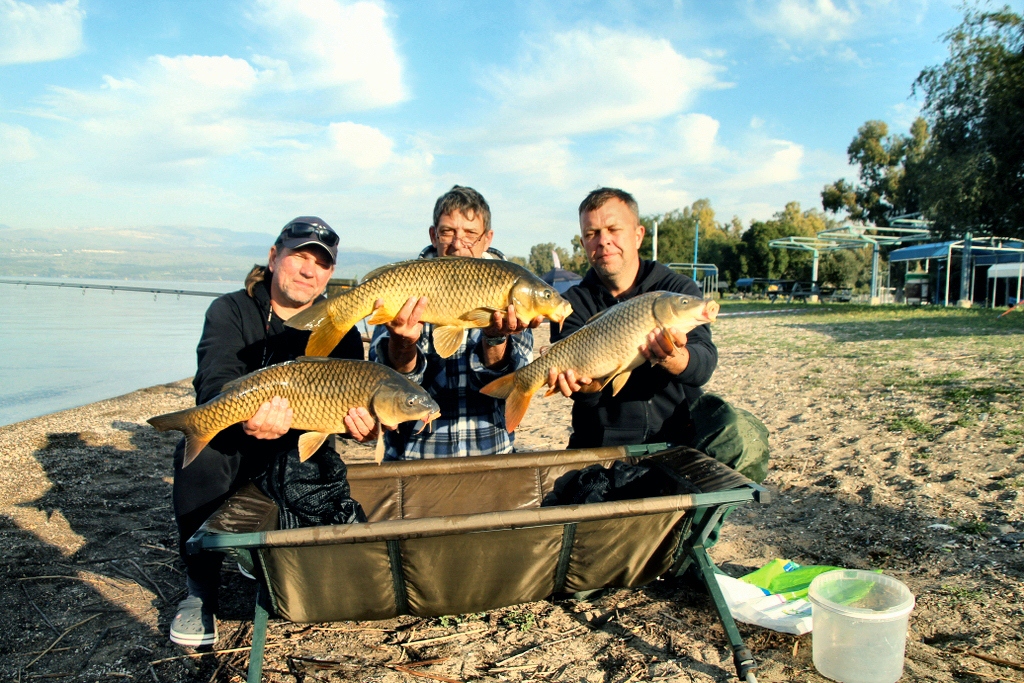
(918, 252)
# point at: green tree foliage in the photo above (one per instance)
(577, 263)
(761, 260)
(888, 172)
(973, 174)
(845, 268)
(676, 229)
(541, 261)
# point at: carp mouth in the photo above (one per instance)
(710, 312)
(559, 315)
(430, 416)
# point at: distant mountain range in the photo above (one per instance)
(154, 253)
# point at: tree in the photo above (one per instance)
(845, 268)
(889, 166)
(578, 262)
(761, 260)
(541, 260)
(972, 177)
(676, 229)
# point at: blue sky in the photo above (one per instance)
(245, 113)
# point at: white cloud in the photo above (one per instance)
(697, 134)
(359, 145)
(39, 33)
(781, 166)
(346, 47)
(183, 109)
(810, 20)
(585, 81)
(15, 144)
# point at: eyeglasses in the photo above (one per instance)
(300, 230)
(450, 236)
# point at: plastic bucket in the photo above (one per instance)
(860, 625)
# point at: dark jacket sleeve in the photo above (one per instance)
(581, 312)
(219, 349)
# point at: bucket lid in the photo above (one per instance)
(867, 596)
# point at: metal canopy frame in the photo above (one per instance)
(854, 236)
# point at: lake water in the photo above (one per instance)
(66, 347)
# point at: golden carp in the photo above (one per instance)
(320, 391)
(462, 293)
(605, 349)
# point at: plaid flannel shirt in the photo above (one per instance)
(470, 423)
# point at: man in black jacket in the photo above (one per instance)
(243, 332)
(663, 400)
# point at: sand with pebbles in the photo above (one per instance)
(897, 444)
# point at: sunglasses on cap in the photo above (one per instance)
(301, 230)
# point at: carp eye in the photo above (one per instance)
(410, 401)
(547, 294)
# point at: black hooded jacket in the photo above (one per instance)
(653, 405)
(241, 335)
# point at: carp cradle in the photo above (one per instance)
(463, 535)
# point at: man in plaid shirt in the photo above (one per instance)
(470, 423)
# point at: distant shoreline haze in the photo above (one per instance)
(157, 253)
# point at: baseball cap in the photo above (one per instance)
(306, 230)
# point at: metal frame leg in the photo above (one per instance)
(741, 655)
(259, 637)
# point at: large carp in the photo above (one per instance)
(605, 349)
(320, 391)
(462, 293)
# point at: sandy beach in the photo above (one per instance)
(897, 444)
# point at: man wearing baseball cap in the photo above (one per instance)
(244, 331)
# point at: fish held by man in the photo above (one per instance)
(320, 392)
(462, 293)
(606, 348)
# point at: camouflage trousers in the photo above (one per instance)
(733, 437)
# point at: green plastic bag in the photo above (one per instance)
(785, 578)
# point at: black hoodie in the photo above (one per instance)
(653, 405)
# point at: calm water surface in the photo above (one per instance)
(62, 348)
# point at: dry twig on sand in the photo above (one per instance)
(68, 630)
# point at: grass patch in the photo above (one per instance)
(974, 528)
(958, 595)
(909, 423)
(521, 619)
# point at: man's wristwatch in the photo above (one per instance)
(494, 341)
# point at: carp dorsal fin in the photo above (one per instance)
(309, 443)
(232, 384)
(597, 315)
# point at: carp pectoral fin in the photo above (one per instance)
(479, 317)
(622, 374)
(380, 316)
(309, 443)
(448, 339)
(194, 444)
(378, 452)
(595, 386)
(620, 381)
